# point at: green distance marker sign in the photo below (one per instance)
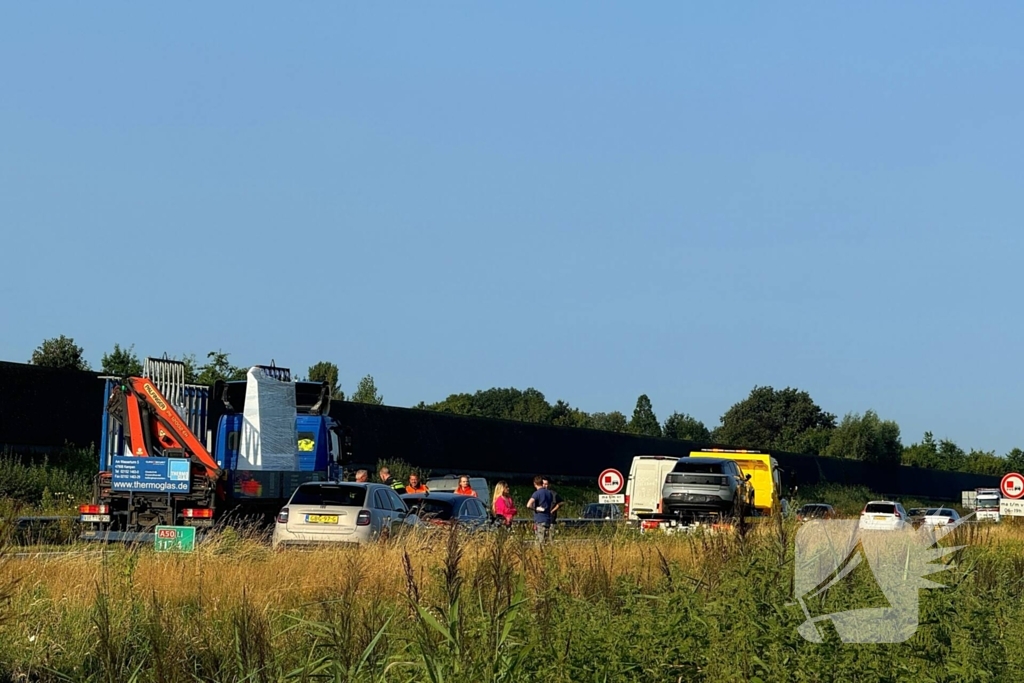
(175, 539)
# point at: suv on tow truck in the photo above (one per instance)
(703, 486)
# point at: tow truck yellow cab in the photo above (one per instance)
(763, 470)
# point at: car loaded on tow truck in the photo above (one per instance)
(179, 454)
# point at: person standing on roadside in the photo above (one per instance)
(362, 476)
(504, 507)
(415, 486)
(557, 501)
(388, 480)
(541, 503)
(464, 488)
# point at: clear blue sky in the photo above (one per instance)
(679, 199)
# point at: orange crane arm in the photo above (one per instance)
(150, 421)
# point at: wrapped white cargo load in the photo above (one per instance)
(267, 441)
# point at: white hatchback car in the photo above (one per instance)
(884, 515)
(940, 517)
(340, 512)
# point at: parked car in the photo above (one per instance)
(601, 511)
(811, 511)
(697, 486)
(916, 515)
(450, 482)
(445, 509)
(940, 517)
(328, 512)
(884, 515)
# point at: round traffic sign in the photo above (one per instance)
(610, 481)
(1012, 485)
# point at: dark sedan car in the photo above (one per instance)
(601, 511)
(815, 511)
(445, 509)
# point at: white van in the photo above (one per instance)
(646, 478)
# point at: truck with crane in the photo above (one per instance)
(174, 453)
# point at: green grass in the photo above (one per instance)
(448, 608)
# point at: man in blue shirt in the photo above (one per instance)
(542, 502)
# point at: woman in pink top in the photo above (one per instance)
(503, 505)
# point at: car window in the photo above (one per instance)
(427, 508)
(698, 467)
(880, 508)
(477, 509)
(380, 500)
(396, 503)
(324, 494)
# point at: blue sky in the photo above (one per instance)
(597, 200)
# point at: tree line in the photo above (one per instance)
(62, 352)
(768, 419)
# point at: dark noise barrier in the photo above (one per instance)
(42, 410)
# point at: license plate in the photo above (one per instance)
(321, 519)
(95, 518)
(880, 518)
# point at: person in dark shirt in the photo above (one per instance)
(388, 480)
(541, 502)
(557, 501)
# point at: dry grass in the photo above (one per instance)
(441, 607)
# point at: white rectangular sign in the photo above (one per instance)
(1011, 507)
(617, 498)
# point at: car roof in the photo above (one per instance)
(436, 495)
(360, 484)
(883, 502)
(704, 461)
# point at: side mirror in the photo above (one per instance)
(747, 478)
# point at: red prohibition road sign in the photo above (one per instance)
(610, 481)
(1012, 485)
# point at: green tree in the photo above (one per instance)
(687, 428)
(121, 362)
(60, 352)
(785, 420)
(564, 415)
(644, 421)
(985, 462)
(609, 422)
(191, 369)
(937, 455)
(528, 405)
(1015, 461)
(366, 392)
(327, 372)
(218, 367)
(866, 437)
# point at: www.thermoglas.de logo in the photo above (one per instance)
(890, 564)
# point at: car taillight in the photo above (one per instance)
(897, 513)
(93, 509)
(282, 516)
(626, 505)
(649, 524)
(363, 518)
(197, 513)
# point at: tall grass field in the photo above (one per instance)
(492, 607)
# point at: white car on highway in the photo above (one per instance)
(884, 515)
(940, 517)
(340, 512)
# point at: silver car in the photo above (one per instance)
(706, 486)
(345, 512)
